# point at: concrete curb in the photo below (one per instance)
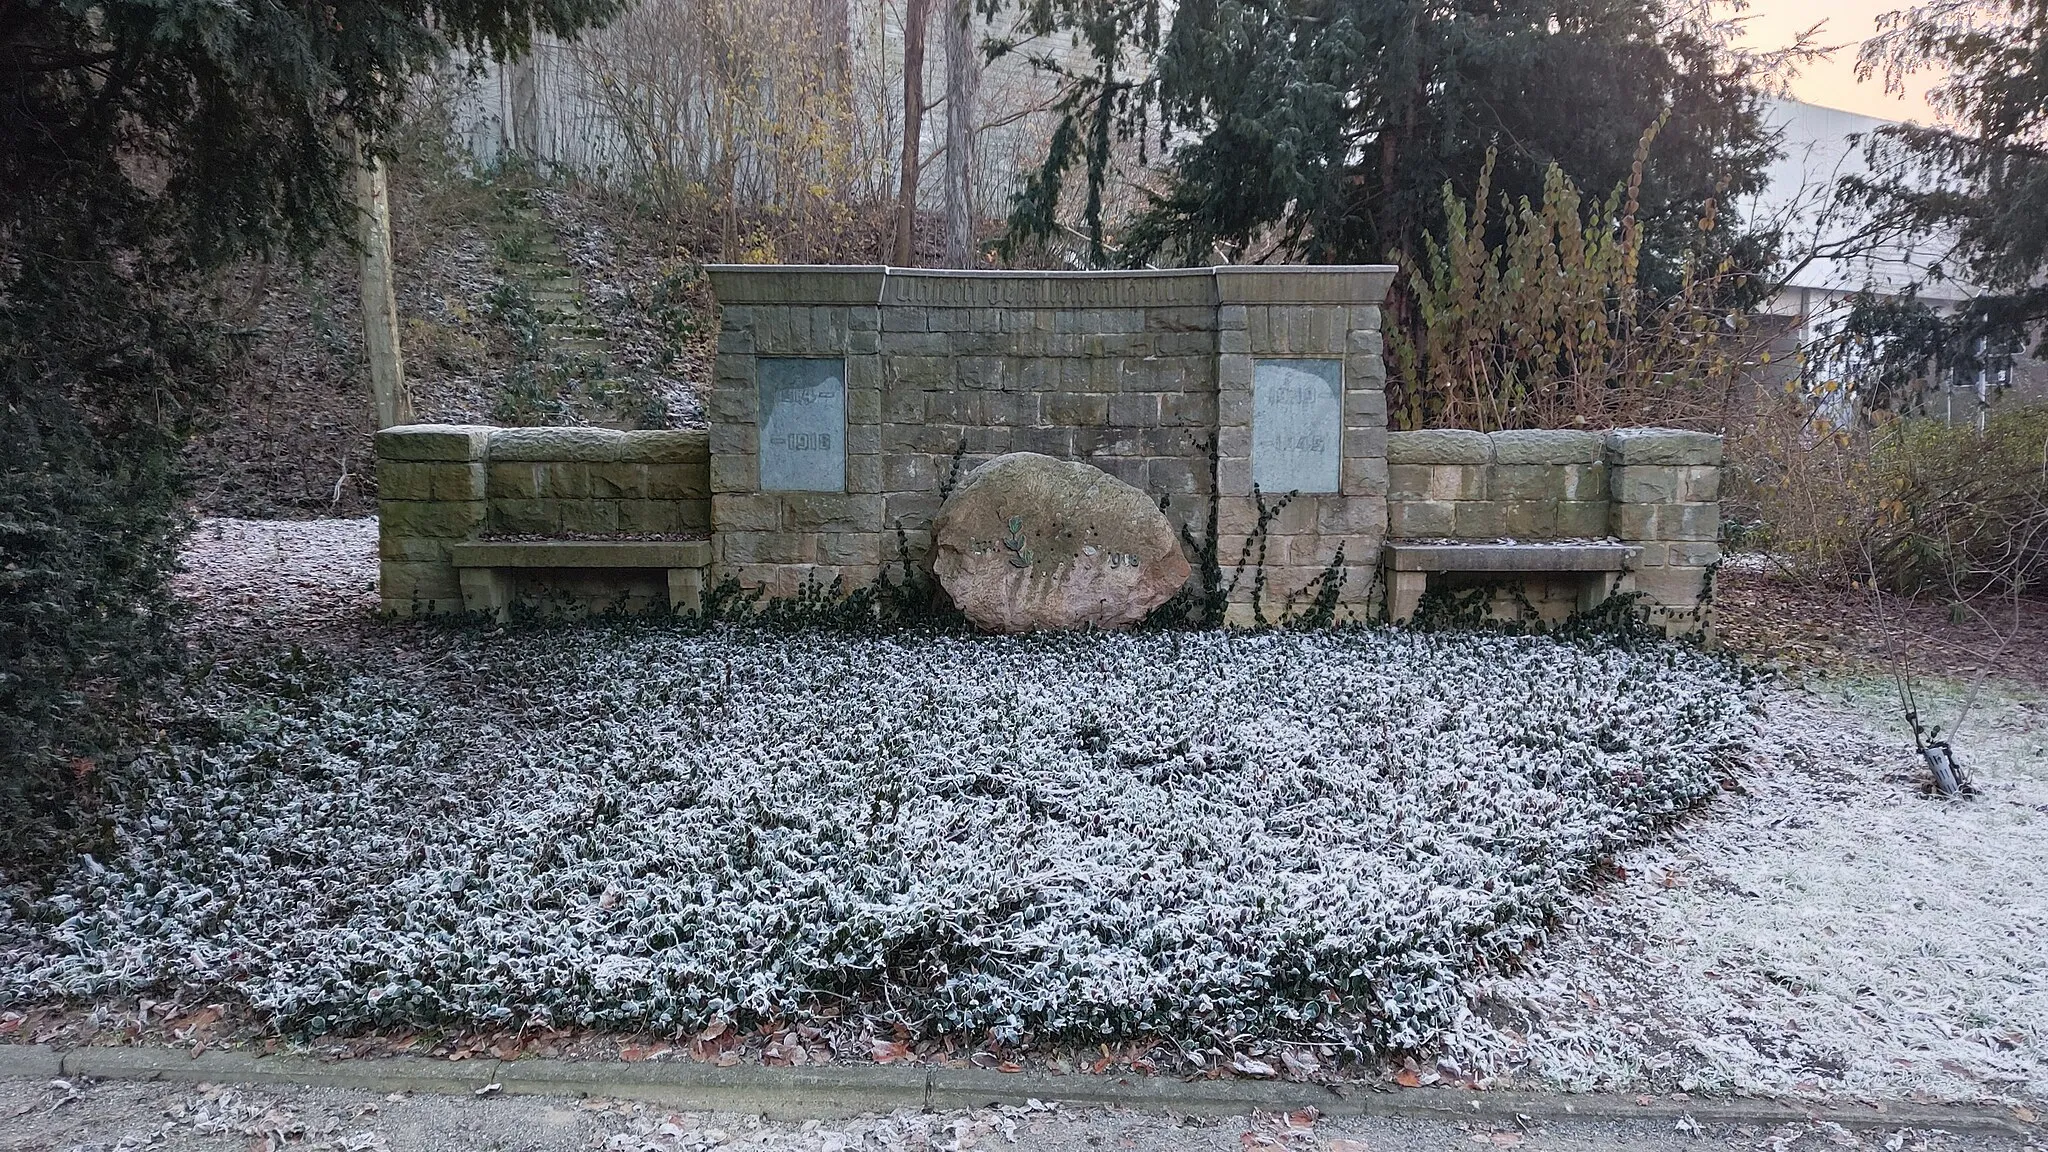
(30, 1062)
(820, 1093)
(952, 1088)
(779, 1093)
(383, 1074)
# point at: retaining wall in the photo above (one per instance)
(845, 400)
(1143, 374)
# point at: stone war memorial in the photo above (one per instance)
(1057, 449)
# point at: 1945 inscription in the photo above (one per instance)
(803, 424)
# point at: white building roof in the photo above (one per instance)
(1820, 146)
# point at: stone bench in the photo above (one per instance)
(487, 569)
(1599, 566)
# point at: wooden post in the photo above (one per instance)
(380, 301)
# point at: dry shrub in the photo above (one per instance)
(1959, 514)
(753, 124)
(1799, 488)
(1924, 507)
(1553, 326)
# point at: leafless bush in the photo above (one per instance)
(1918, 505)
(1799, 487)
(755, 121)
(770, 130)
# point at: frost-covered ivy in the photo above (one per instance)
(1198, 835)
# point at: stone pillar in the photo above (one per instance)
(431, 489)
(1305, 314)
(1666, 490)
(776, 539)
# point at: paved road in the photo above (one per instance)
(65, 1116)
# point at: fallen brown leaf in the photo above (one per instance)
(1250, 1066)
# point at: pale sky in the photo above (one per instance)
(1832, 82)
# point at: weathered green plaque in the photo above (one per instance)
(803, 424)
(1298, 425)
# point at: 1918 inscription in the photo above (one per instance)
(1297, 425)
(803, 424)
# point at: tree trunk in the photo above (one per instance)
(380, 302)
(522, 108)
(916, 17)
(836, 17)
(963, 82)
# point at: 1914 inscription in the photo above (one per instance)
(803, 424)
(1297, 425)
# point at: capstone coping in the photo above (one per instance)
(1304, 284)
(796, 284)
(1548, 556)
(581, 554)
(802, 285)
(433, 442)
(1668, 446)
(666, 446)
(1546, 446)
(557, 445)
(1057, 288)
(1439, 446)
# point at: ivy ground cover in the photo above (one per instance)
(1322, 836)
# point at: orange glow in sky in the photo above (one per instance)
(1832, 82)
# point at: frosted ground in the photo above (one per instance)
(1824, 930)
(1828, 930)
(1195, 836)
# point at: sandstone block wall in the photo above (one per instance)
(1655, 489)
(1142, 374)
(1308, 314)
(882, 385)
(598, 482)
(443, 485)
(1458, 485)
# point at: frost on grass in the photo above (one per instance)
(1315, 836)
(1828, 931)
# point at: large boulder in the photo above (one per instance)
(1028, 542)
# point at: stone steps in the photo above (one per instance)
(552, 285)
